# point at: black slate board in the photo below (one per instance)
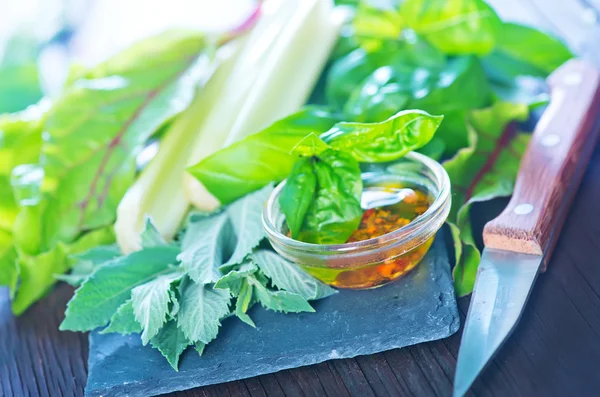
(417, 308)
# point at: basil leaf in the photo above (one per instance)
(454, 26)
(522, 50)
(458, 84)
(375, 23)
(385, 141)
(298, 194)
(259, 159)
(335, 212)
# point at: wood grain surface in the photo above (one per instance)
(555, 350)
(552, 166)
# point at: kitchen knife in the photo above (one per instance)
(519, 242)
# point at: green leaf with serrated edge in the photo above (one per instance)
(244, 299)
(110, 286)
(202, 308)
(246, 216)
(99, 254)
(513, 55)
(174, 304)
(199, 346)
(151, 304)
(287, 276)
(234, 279)
(311, 145)
(335, 212)
(259, 159)
(484, 170)
(79, 272)
(97, 126)
(454, 26)
(298, 193)
(150, 236)
(388, 140)
(279, 301)
(203, 248)
(123, 321)
(171, 342)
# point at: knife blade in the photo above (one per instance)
(519, 242)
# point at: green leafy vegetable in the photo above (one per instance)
(171, 342)
(243, 303)
(454, 26)
(204, 247)
(385, 141)
(234, 279)
(484, 170)
(123, 321)
(298, 194)
(279, 301)
(259, 159)
(110, 286)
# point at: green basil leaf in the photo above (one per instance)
(259, 159)
(522, 50)
(484, 170)
(335, 212)
(459, 84)
(298, 194)
(454, 26)
(376, 23)
(99, 297)
(311, 145)
(385, 141)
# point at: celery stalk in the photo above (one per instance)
(158, 192)
(280, 64)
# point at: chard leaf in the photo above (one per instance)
(234, 279)
(96, 128)
(298, 193)
(171, 342)
(150, 236)
(204, 247)
(385, 141)
(259, 159)
(110, 286)
(279, 301)
(454, 26)
(335, 212)
(151, 304)
(287, 276)
(202, 308)
(482, 171)
(123, 321)
(243, 303)
(522, 50)
(246, 216)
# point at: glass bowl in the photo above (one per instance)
(377, 261)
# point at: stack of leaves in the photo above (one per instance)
(458, 59)
(176, 295)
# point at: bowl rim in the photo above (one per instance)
(417, 229)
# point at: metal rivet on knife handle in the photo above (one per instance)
(553, 164)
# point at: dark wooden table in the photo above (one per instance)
(555, 350)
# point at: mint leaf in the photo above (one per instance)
(234, 279)
(123, 321)
(150, 236)
(151, 304)
(243, 303)
(110, 286)
(288, 276)
(88, 262)
(171, 342)
(199, 346)
(279, 301)
(203, 247)
(202, 307)
(174, 304)
(246, 216)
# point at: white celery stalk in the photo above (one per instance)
(277, 70)
(158, 191)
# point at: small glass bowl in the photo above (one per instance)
(374, 262)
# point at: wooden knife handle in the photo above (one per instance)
(552, 166)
